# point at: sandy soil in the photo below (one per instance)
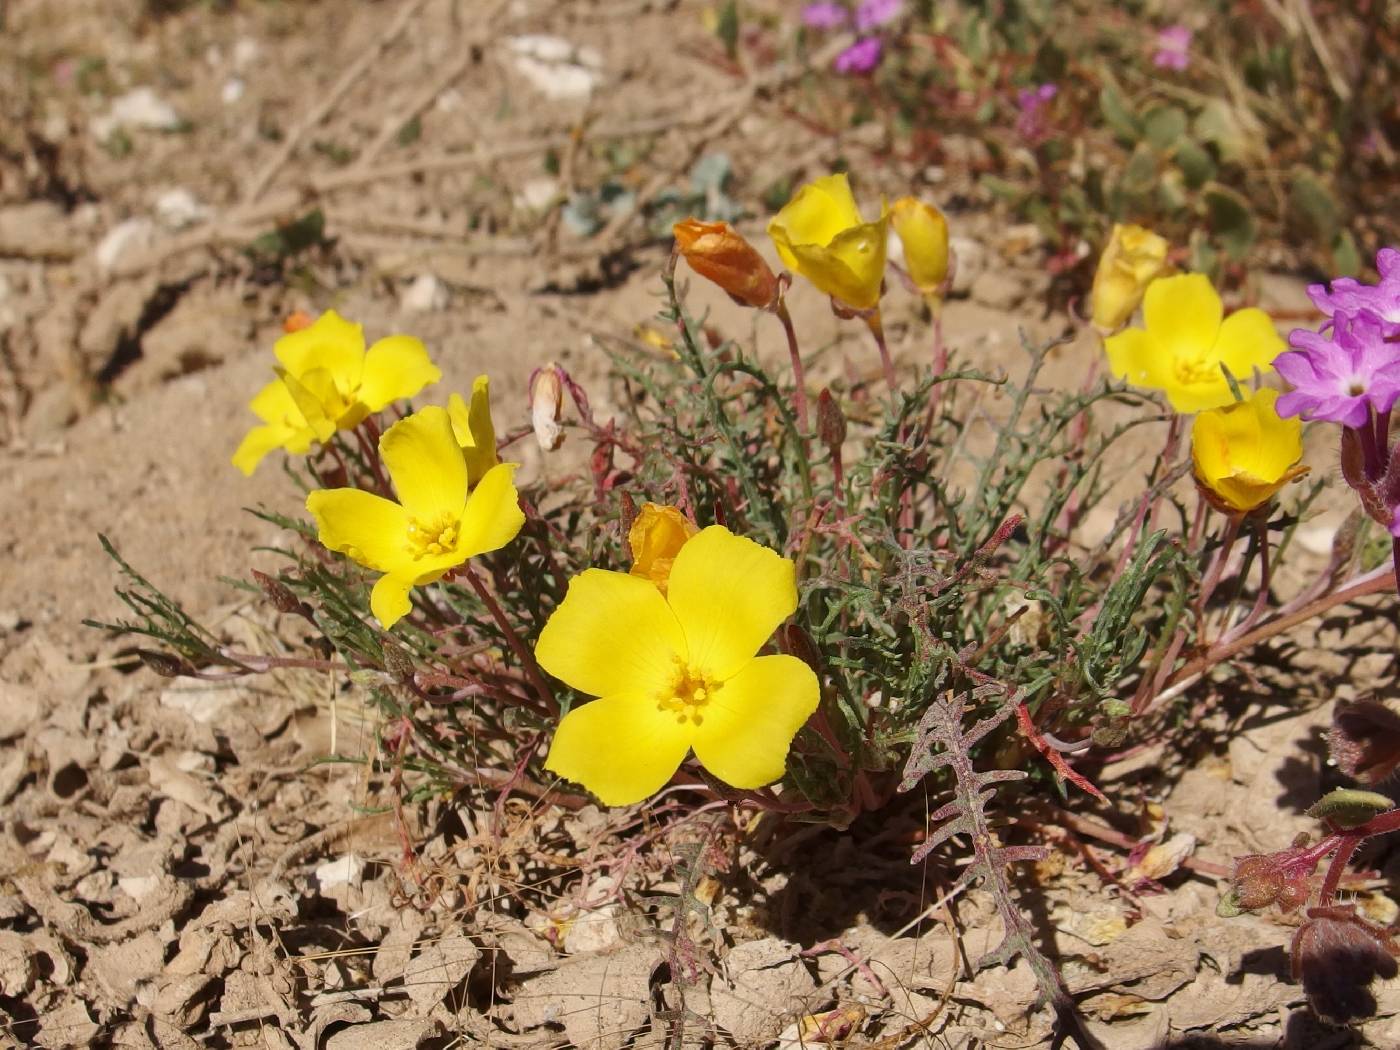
(174, 870)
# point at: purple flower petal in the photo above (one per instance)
(825, 16)
(861, 57)
(871, 14)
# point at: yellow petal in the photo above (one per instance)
(316, 399)
(330, 342)
(612, 634)
(368, 528)
(1132, 356)
(1248, 340)
(426, 465)
(1133, 257)
(492, 517)
(396, 367)
(729, 594)
(1245, 453)
(389, 601)
(749, 724)
(1183, 315)
(655, 538)
(815, 215)
(257, 443)
(622, 748)
(923, 231)
(275, 404)
(475, 431)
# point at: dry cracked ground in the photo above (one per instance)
(177, 869)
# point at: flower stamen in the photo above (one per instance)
(434, 539)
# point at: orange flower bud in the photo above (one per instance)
(718, 254)
(656, 537)
(296, 321)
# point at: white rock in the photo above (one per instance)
(177, 208)
(232, 90)
(426, 294)
(343, 871)
(137, 886)
(450, 101)
(138, 108)
(555, 67)
(246, 51)
(537, 194)
(970, 261)
(126, 238)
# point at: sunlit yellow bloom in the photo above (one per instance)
(820, 234)
(1185, 343)
(436, 525)
(656, 537)
(717, 253)
(326, 381)
(1244, 453)
(1131, 260)
(923, 231)
(474, 430)
(678, 671)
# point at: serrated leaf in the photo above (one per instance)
(1350, 807)
(1118, 115)
(1231, 220)
(1164, 127)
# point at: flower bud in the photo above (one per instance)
(296, 321)
(167, 665)
(1131, 260)
(923, 231)
(719, 254)
(831, 423)
(280, 595)
(656, 537)
(547, 406)
(1365, 740)
(1337, 954)
(1244, 453)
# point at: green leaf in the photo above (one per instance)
(1140, 173)
(1314, 206)
(727, 28)
(1195, 163)
(1349, 807)
(1118, 115)
(1164, 127)
(1346, 256)
(1231, 220)
(1218, 124)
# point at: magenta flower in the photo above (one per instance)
(1342, 375)
(861, 57)
(1031, 124)
(1173, 48)
(1348, 296)
(871, 14)
(825, 16)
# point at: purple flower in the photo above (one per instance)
(871, 14)
(825, 16)
(1031, 124)
(1348, 297)
(1340, 376)
(1173, 47)
(860, 57)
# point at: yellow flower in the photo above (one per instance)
(1185, 343)
(820, 234)
(1131, 260)
(1244, 453)
(656, 537)
(436, 525)
(326, 381)
(923, 231)
(475, 432)
(717, 253)
(677, 672)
